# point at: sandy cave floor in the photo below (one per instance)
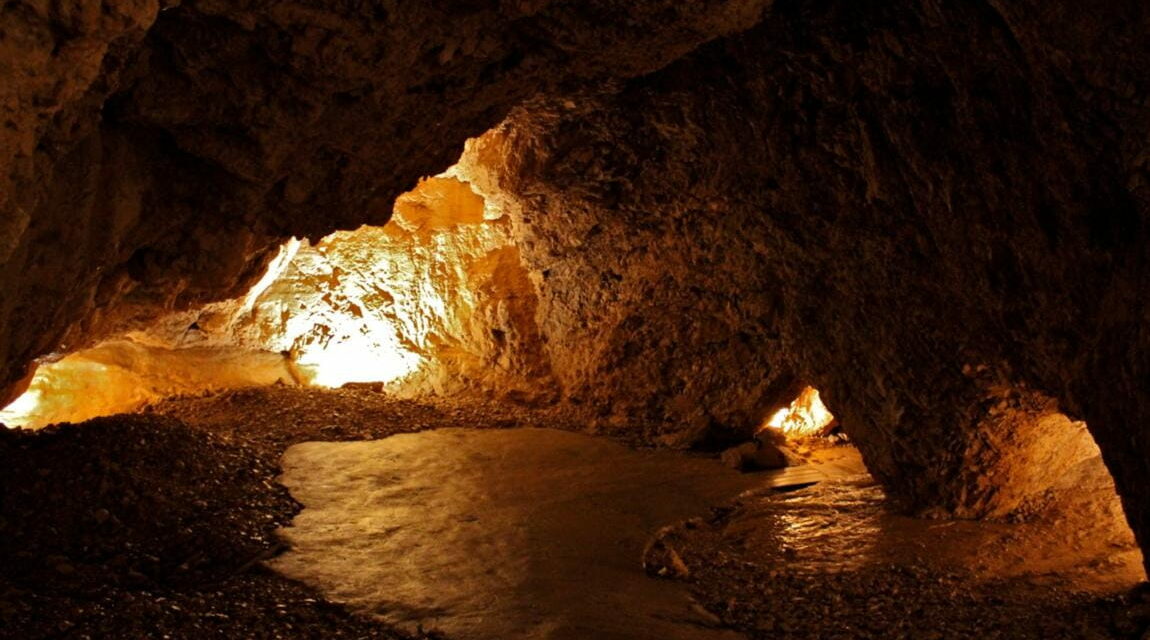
(160, 524)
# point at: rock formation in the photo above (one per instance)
(155, 156)
(934, 214)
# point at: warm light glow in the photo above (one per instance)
(20, 412)
(393, 304)
(122, 375)
(276, 268)
(806, 416)
(357, 357)
(436, 298)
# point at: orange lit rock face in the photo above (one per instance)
(436, 301)
(1025, 450)
(122, 375)
(655, 312)
(805, 416)
(153, 160)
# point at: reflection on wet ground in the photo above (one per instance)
(834, 561)
(535, 533)
(846, 525)
(520, 533)
(1079, 540)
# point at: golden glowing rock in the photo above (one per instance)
(438, 203)
(437, 301)
(122, 375)
(805, 416)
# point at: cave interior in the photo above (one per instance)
(807, 318)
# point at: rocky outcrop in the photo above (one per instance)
(935, 215)
(653, 302)
(122, 376)
(437, 301)
(155, 159)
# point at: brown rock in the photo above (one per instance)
(951, 242)
(660, 559)
(755, 456)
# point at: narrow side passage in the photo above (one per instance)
(525, 533)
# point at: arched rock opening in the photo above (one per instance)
(436, 302)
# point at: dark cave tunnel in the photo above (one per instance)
(228, 230)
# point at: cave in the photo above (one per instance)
(537, 319)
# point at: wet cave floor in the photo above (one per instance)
(174, 523)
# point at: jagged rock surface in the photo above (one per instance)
(154, 159)
(435, 302)
(937, 216)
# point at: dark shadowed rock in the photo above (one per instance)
(936, 214)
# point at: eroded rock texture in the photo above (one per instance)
(154, 159)
(436, 301)
(654, 303)
(935, 214)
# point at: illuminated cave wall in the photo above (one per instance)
(435, 302)
(759, 213)
(122, 375)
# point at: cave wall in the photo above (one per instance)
(934, 214)
(155, 155)
(123, 375)
(654, 308)
(435, 302)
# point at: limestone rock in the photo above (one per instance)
(936, 215)
(155, 160)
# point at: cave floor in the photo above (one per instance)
(833, 561)
(513, 533)
(162, 524)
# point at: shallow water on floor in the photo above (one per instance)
(537, 533)
(846, 524)
(521, 533)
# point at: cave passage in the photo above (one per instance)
(806, 415)
(537, 318)
(548, 533)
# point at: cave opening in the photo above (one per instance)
(435, 302)
(806, 415)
